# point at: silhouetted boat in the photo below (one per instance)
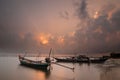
(80, 58)
(65, 59)
(115, 55)
(83, 60)
(98, 60)
(33, 64)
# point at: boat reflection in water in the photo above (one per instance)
(38, 74)
(110, 74)
(110, 70)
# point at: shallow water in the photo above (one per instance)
(11, 70)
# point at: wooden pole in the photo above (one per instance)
(64, 66)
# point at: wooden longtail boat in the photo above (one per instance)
(33, 64)
(83, 60)
(98, 60)
(64, 59)
(36, 64)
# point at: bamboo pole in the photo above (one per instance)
(64, 66)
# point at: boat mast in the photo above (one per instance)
(47, 59)
(50, 52)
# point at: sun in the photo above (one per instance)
(43, 38)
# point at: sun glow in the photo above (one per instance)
(96, 15)
(61, 39)
(43, 38)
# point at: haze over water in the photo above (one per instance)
(11, 70)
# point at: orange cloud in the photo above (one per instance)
(72, 33)
(60, 39)
(43, 38)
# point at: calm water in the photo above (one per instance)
(11, 70)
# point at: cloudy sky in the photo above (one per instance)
(68, 26)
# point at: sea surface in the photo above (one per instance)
(10, 69)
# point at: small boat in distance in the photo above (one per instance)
(64, 59)
(80, 58)
(83, 59)
(98, 60)
(115, 55)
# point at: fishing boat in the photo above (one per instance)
(115, 55)
(35, 64)
(65, 59)
(83, 60)
(74, 59)
(98, 60)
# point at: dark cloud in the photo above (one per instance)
(100, 34)
(115, 20)
(82, 9)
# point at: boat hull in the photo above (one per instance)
(33, 64)
(65, 60)
(81, 61)
(98, 61)
(37, 66)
